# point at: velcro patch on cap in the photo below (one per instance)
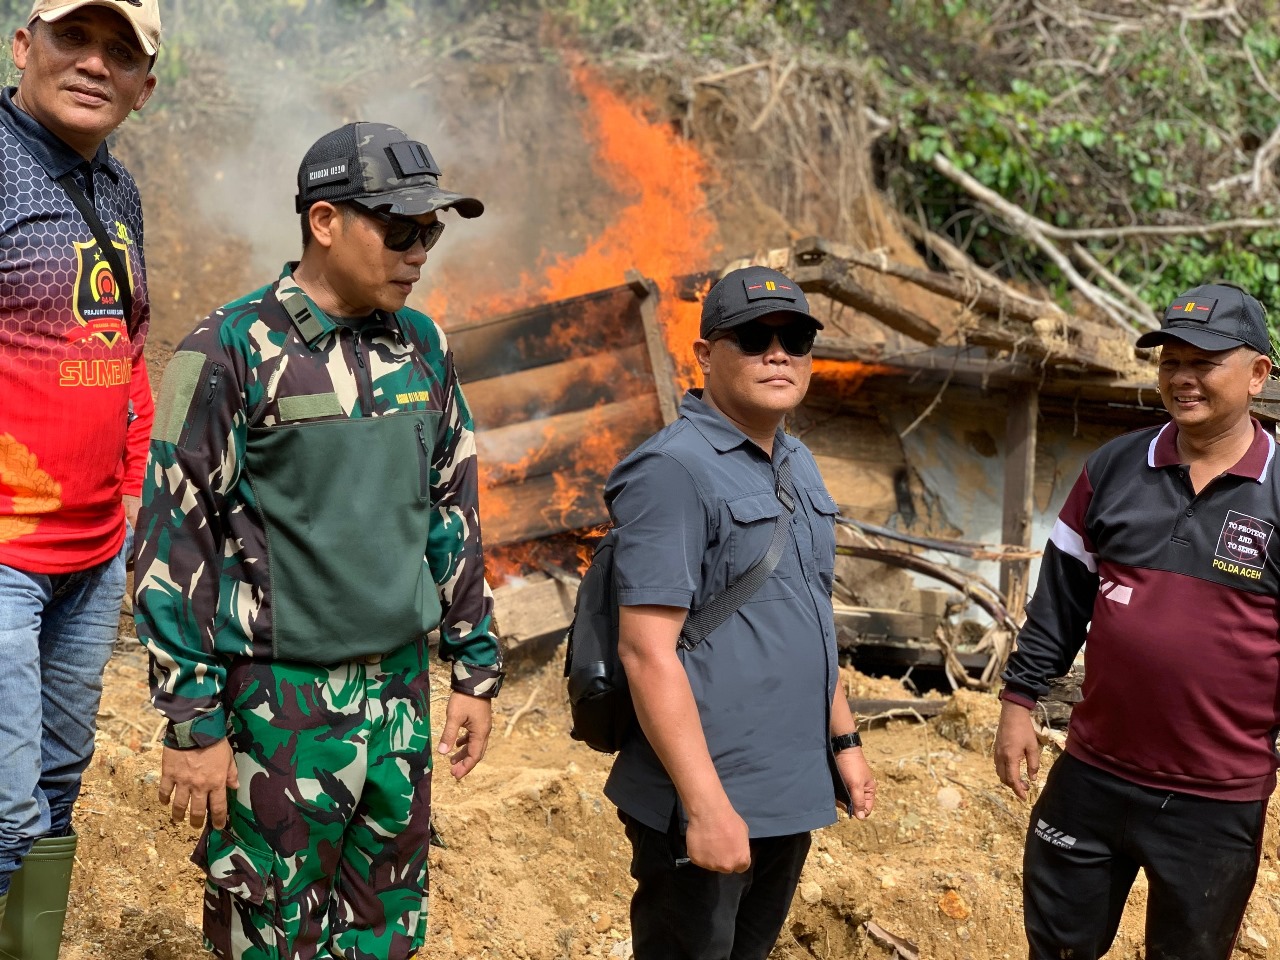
(1191, 308)
(413, 159)
(318, 174)
(770, 289)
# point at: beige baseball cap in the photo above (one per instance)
(143, 16)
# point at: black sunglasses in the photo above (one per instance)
(402, 232)
(754, 338)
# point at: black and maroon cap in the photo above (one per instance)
(748, 294)
(1213, 316)
(377, 166)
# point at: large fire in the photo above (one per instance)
(662, 228)
(541, 478)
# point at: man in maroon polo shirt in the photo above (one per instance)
(1165, 556)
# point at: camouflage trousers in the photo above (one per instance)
(325, 851)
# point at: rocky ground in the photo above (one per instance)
(536, 863)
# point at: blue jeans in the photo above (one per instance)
(56, 636)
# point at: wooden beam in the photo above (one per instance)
(548, 333)
(976, 296)
(831, 278)
(664, 373)
(559, 444)
(887, 656)
(854, 623)
(926, 708)
(548, 391)
(1019, 484)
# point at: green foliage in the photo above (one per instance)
(1087, 126)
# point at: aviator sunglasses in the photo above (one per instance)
(402, 233)
(754, 338)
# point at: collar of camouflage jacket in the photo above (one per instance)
(313, 323)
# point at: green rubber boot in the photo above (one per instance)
(3, 900)
(37, 901)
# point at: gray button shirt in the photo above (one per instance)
(694, 507)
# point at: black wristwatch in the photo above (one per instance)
(845, 741)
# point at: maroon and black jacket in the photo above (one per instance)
(1177, 595)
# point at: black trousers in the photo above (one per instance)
(683, 912)
(1090, 831)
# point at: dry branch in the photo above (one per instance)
(774, 94)
(712, 78)
(1041, 234)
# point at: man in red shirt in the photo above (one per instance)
(75, 419)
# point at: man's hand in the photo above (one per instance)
(1016, 742)
(200, 778)
(858, 780)
(473, 716)
(131, 507)
(719, 841)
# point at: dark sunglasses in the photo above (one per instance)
(402, 233)
(754, 338)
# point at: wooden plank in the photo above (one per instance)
(540, 507)
(548, 333)
(533, 608)
(1019, 487)
(664, 373)
(560, 444)
(557, 388)
(855, 622)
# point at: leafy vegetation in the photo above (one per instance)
(1100, 121)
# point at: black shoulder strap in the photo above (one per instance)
(703, 621)
(69, 184)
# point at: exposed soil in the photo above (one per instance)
(536, 864)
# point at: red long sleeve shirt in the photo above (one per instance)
(75, 401)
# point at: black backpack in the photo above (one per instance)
(599, 699)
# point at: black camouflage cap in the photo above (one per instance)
(1213, 316)
(748, 293)
(379, 167)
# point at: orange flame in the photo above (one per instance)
(848, 376)
(662, 227)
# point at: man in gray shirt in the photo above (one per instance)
(744, 740)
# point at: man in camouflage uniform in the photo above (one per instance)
(310, 513)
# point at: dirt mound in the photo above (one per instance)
(536, 861)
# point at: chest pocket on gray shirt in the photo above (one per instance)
(752, 519)
(824, 533)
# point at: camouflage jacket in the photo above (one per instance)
(311, 495)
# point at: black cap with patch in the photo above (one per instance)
(379, 167)
(750, 293)
(1213, 317)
